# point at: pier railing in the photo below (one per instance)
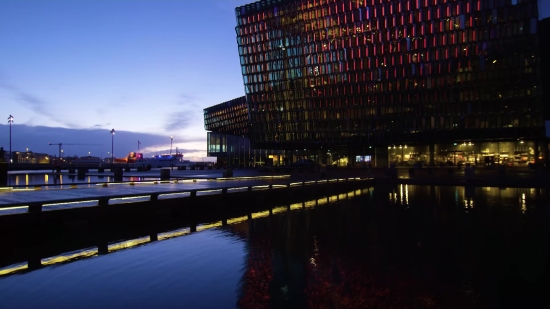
(102, 201)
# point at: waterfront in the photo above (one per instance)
(392, 246)
(32, 178)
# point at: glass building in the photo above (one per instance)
(229, 141)
(395, 81)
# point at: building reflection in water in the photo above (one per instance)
(424, 247)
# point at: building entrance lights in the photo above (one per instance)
(10, 121)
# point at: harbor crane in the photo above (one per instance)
(61, 144)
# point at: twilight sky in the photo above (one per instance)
(70, 70)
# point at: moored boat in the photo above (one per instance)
(87, 160)
(159, 161)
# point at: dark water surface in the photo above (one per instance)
(387, 247)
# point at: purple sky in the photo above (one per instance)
(139, 66)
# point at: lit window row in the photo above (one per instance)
(389, 71)
(230, 117)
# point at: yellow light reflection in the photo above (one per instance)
(260, 214)
(46, 178)
(26, 179)
(66, 258)
(186, 231)
(209, 226)
(11, 270)
(279, 209)
(523, 203)
(237, 220)
(260, 187)
(177, 233)
(468, 203)
(129, 244)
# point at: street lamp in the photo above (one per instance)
(171, 138)
(10, 121)
(112, 146)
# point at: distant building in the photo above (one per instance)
(31, 157)
(396, 81)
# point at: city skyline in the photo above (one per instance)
(146, 67)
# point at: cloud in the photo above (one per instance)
(98, 126)
(187, 116)
(36, 104)
(180, 120)
(167, 150)
(96, 141)
(189, 101)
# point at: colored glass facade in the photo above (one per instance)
(384, 72)
(229, 142)
(229, 117)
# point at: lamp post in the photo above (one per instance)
(171, 138)
(10, 121)
(112, 147)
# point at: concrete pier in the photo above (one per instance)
(3, 174)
